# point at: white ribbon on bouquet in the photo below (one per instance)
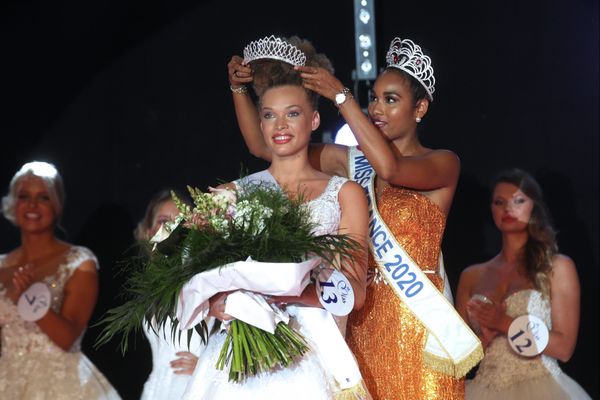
(272, 279)
(250, 280)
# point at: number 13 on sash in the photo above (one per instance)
(334, 292)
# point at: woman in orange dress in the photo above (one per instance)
(409, 341)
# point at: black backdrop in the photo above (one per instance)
(127, 97)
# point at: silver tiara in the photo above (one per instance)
(408, 56)
(274, 48)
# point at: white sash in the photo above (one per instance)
(452, 348)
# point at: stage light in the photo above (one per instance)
(365, 41)
(345, 136)
(364, 36)
(364, 16)
(366, 67)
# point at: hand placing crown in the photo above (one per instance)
(274, 48)
(408, 57)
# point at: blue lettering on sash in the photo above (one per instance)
(363, 170)
(362, 174)
(411, 286)
(375, 232)
(384, 247)
(405, 279)
(361, 163)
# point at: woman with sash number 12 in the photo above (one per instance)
(524, 302)
(408, 339)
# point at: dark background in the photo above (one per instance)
(127, 97)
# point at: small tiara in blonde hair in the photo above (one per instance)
(274, 48)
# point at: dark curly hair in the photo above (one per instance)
(273, 73)
(541, 246)
(416, 88)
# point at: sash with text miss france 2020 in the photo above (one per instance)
(452, 348)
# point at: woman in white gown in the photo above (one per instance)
(173, 361)
(42, 330)
(528, 276)
(288, 115)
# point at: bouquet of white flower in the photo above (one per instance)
(209, 245)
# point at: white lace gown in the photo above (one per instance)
(33, 367)
(163, 383)
(307, 379)
(503, 374)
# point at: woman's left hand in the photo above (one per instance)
(185, 364)
(320, 81)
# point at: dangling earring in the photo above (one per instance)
(418, 119)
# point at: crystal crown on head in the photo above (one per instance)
(408, 57)
(274, 48)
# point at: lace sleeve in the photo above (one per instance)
(78, 255)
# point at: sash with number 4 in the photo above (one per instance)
(451, 348)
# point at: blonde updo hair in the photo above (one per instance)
(48, 173)
(270, 73)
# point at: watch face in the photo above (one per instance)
(340, 98)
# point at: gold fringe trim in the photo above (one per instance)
(447, 367)
(356, 392)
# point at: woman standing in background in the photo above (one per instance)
(173, 361)
(48, 290)
(527, 277)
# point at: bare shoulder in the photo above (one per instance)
(563, 267)
(447, 157)
(352, 191)
(88, 265)
(564, 282)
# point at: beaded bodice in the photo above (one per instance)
(324, 209)
(416, 222)
(20, 337)
(501, 366)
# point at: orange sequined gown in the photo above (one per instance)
(386, 338)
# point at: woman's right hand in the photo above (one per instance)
(320, 80)
(21, 280)
(185, 363)
(489, 315)
(239, 73)
(217, 306)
